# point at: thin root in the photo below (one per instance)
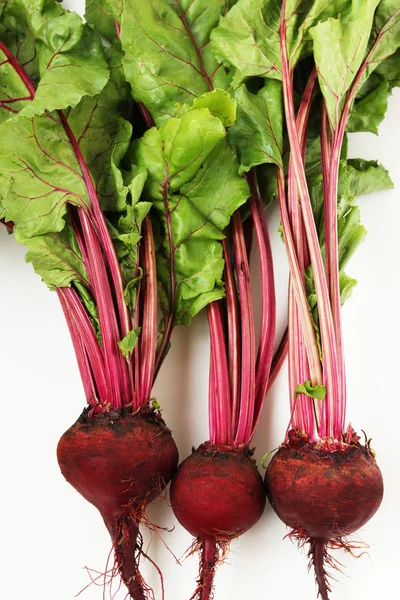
(320, 558)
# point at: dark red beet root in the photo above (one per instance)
(324, 496)
(120, 462)
(216, 495)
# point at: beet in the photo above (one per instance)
(324, 496)
(217, 495)
(120, 462)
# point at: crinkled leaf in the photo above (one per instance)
(125, 230)
(366, 177)
(220, 104)
(248, 37)
(174, 153)
(128, 343)
(168, 60)
(371, 106)
(103, 137)
(258, 130)
(318, 392)
(19, 38)
(390, 70)
(70, 54)
(340, 47)
(195, 186)
(56, 258)
(385, 38)
(102, 16)
(38, 164)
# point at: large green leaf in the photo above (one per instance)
(340, 47)
(56, 257)
(102, 15)
(194, 184)
(257, 133)
(168, 60)
(371, 105)
(248, 37)
(41, 172)
(70, 56)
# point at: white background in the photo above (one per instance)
(49, 533)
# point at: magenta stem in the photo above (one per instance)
(170, 316)
(19, 70)
(268, 316)
(328, 338)
(148, 336)
(81, 356)
(302, 407)
(248, 353)
(233, 335)
(221, 400)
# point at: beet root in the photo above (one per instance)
(119, 462)
(324, 496)
(216, 495)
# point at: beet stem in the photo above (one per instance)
(318, 550)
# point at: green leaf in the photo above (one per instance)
(317, 392)
(248, 37)
(370, 108)
(42, 173)
(390, 70)
(366, 177)
(194, 184)
(168, 60)
(71, 58)
(175, 152)
(386, 34)
(56, 258)
(258, 130)
(340, 47)
(220, 104)
(128, 343)
(103, 138)
(102, 15)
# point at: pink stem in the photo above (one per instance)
(328, 338)
(107, 318)
(233, 335)
(302, 407)
(298, 285)
(170, 316)
(221, 399)
(248, 358)
(148, 336)
(19, 70)
(268, 319)
(212, 416)
(81, 356)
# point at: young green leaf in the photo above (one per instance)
(129, 342)
(194, 184)
(103, 15)
(70, 56)
(168, 60)
(56, 258)
(340, 47)
(318, 392)
(258, 130)
(370, 107)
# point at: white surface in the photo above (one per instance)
(49, 533)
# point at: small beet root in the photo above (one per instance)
(216, 495)
(119, 462)
(324, 496)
